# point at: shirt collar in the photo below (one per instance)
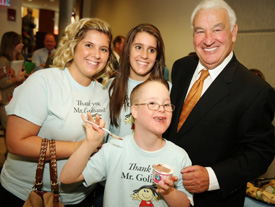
(116, 55)
(215, 71)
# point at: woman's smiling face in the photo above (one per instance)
(90, 56)
(143, 54)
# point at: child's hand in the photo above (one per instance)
(167, 185)
(94, 133)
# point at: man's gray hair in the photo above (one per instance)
(215, 4)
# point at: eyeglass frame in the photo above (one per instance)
(163, 105)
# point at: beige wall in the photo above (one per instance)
(5, 25)
(255, 46)
(171, 17)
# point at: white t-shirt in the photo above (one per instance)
(127, 170)
(53, 100)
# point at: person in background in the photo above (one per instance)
(258, 73)
(261, 75)
(228, 134)
(11, 49)
(6, 71)
(41, 55)
(152, 111)
(48, 105)
(28, 26)
(49, 60)
(118, 43)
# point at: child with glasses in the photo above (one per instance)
(127, 164)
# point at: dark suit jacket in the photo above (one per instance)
(228, 130)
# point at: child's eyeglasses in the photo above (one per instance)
(154, 106)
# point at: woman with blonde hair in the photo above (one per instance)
(49, 105)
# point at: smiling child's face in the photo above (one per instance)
(155, 122)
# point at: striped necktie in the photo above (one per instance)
(192, 98)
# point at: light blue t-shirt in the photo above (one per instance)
(127, 170)
(53, 100)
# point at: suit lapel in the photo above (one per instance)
(215, 93)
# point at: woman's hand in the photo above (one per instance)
(10, 71)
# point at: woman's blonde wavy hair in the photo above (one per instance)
(74, 33)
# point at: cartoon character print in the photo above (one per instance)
(129, 120)
(146, 194)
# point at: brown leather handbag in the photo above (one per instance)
(37, 197)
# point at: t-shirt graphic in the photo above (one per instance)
(146, 194)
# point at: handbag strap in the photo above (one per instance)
(40, 166)
(53, 174)
(53, 168)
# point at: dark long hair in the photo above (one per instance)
(118, 89)
(8, 44)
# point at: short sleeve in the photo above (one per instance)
(30, 100)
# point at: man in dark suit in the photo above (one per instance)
(118, 44)
(228, 134)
